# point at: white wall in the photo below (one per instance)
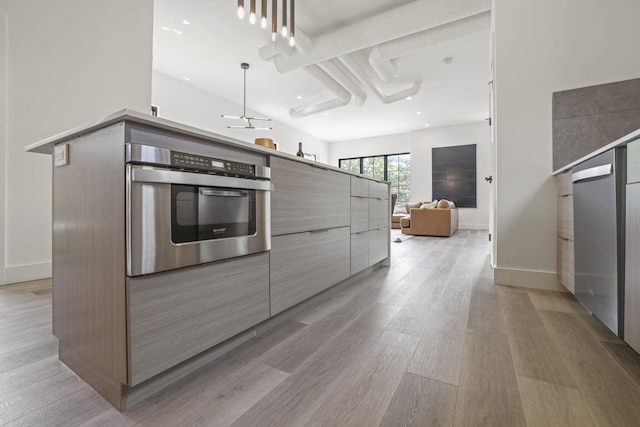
(374, 146)
(543, 47)
(3, 131)
(183, 103)
(421, 144)
(69, 62)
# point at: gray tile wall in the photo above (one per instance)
(588, 118)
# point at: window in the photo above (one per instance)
(395, 168)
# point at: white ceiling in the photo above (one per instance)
(208, 51)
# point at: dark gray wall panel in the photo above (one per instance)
(589, 118)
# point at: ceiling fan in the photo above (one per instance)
(244, 117)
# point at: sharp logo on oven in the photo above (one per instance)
(219, 230)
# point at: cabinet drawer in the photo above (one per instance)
(306, 198)
(359, 214)
(177, 314)
(379, 211)
(359, 252)
(565, 217)
(633, 162)
(378, 245)
(304, 264)
(566, 264)
(378, 190)
(359, 187)
(564, 186)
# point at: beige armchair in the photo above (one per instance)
(430, 222)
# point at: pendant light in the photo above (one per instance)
(244, 117)
(252, 12)
(240, 9)
(263, 13)
(288, 17)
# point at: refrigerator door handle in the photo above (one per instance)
(592, 172)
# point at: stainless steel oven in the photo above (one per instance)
(185, 209)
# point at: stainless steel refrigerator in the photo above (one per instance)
(598, 209)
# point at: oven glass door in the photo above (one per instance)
(207, 213)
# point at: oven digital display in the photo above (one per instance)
(217, 164)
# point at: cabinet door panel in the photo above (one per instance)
(304, 264)
(359, 214)
(632, 268)
(177, 314)
(378, 190)
(633, 162)
(307, 198)
(359, 252)
(379, 211)
(566, 264)
(359, 187)
(565, 217)
(564, 185)
(378, 245)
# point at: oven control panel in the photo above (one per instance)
(193, 161)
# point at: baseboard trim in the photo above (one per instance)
(25, 273)
(527, 279)
(462, 226)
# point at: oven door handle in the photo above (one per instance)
(222, 193)
(163, 176)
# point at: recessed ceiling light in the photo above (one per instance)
(177, 31)
(299, 96)
(419, 112)
(185, 22)
(186, 78)
(426, 125)
(408, 98)
(165, 28)
(326, 114)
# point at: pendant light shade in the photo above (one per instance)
(252, 12)
(240, 9)
(288, 17)
(284, 18)
(263, 14)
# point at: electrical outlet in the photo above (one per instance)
(61, 155)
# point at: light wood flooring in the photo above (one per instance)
(429, 341)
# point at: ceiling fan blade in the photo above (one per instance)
(258, 118)
(240, 127)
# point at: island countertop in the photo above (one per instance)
(45, 146)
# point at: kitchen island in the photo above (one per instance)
(133, 310)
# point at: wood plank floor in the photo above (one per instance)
(430, 341)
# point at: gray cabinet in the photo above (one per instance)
(378, 190)
(359, 187)
(307, 198)
(359, 252)
(632, 261)
(633, 162)
(304, 264)
(370, 223)
(359, 214)
(177, 314)
(379, 211)
(378, 245)
(565, 245)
